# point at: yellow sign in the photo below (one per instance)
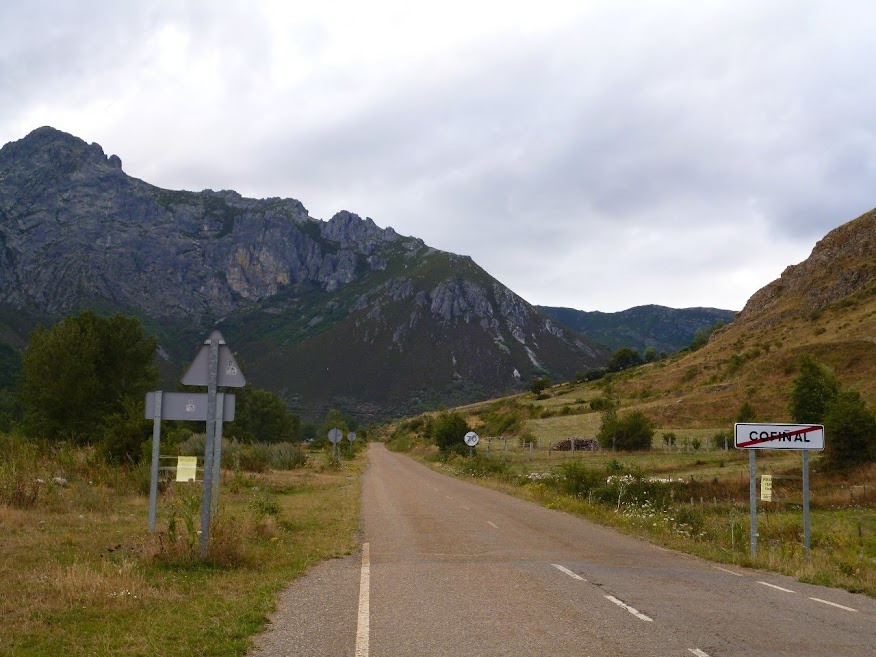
(766, 488)
(187, 468)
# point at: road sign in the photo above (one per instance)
(351, 436)
(186, 406)
(335, 435)
(471, 439)
(779, 436)
(229, 373)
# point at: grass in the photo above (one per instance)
(80, 576)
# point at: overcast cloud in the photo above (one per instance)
(597, 155)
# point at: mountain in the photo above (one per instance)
(338, 313)
(666, 329)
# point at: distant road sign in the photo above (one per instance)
(471, 439)
(335, 435)
(186, 406)
(779, 436)
(351, 436)
(229, 373)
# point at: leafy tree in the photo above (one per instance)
(624, 358)
(334, 419)
(261, 416)
(126, 434)
(539, 384)
(850, 431)
(629, 432)
(651, 354)
(78, 373)
(448, 430)
(746, 413)
(814, 390)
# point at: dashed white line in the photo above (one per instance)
(563, 569)
(732, 572)
(833, 604)
(364, 625)
(773, 586)
(698, 652)
(635, 612)
(491, 524)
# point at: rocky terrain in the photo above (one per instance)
(337, 313)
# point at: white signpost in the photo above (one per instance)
(753, 436)
(471, 439)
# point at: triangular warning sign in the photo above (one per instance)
(228, 373)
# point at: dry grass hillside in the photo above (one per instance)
(825, 306)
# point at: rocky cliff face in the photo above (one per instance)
(294, 292)
(841, 264)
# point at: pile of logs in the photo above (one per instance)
(581, 445)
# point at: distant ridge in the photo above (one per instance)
(666, 329)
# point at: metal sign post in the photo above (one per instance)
(471, 439)
(213, 366)
(351, 437)
(156, 448)
(335, 435)
(805, 437)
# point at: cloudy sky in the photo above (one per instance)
(596, 154)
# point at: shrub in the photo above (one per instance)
(851, 428)
(630, 432)
(448, 431)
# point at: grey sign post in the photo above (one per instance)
(804, 437)
(471, 439)
(335, 435)
(213, 366)
(351, 437)
(178, 406)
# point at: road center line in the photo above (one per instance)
(491, 524)
(732, 572)
(698, 652)
(635, 612)
(364, 625)
(833, 604)
(773, 586)
(563, 569)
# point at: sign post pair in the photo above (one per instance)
(803, 437)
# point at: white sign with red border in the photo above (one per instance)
(779, 436)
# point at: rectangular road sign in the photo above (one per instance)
(186, 406)
(778, 436)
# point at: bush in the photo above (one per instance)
(448, 431)
(850, 428)
(576, 479)
(286, 456)
(630, 432)
(814, 390)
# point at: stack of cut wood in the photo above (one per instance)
(581, 445)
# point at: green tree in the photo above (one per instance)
(448, 430)
(81, 371)
(261, 416)
(651, 354)
(850, 431)
(624, 358)
(334, 419)
(630, 432)
(539, 384)
(813, 391)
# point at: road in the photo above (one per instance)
(451, 569)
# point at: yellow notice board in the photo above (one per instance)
(187, 468)
(766, 488)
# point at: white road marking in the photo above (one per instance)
(364, 624)
(467, 508)
(638, 614)
(491, 524)
(732, 572)
(833, 604)
(698, 652)
(773, 586)
(563, 569)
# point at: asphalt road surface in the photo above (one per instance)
(451, 569)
